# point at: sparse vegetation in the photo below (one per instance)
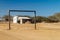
(39, 19)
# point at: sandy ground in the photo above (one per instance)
(45, 31)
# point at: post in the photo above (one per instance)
(9, 20)
(21, 21)
(35, 19)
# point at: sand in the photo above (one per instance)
(5, 36)
(45, 31)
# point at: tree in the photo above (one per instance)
(55, 17)
(52, 19)
(6, 17)
(40, 19)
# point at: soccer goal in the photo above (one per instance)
(15, 18)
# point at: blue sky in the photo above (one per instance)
(42, 7)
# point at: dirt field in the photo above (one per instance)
(45, 31)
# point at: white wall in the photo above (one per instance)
(15, 19)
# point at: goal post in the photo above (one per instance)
(22, 11)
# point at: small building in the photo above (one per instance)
(21, 20)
